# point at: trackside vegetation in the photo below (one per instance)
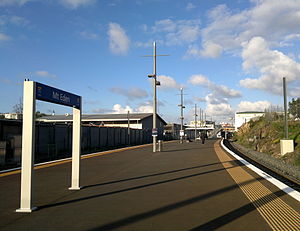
(264, 134)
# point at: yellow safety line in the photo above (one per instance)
(278, 214)
(70, 160)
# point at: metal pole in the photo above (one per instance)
(195, 121)
(128, 130)
(154, 96)
(286, 131)
(181, 114)
(200, 119)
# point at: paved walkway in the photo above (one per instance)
(188, 186)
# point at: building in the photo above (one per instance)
(12, 116)
(244, 117)
(172, 131)
(134, 120)
(200, 126)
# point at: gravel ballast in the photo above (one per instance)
(277, 165)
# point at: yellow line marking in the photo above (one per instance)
(70, 160)
(278, 214)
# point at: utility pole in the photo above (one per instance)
(286, 144)
(200, 119)
(181, 115)
(195, 121)
(155, 83)
(154, 130)
(128, 130)
(286, 129)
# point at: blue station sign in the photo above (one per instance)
(54, 95)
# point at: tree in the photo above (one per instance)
(294, 107)
(18, 107)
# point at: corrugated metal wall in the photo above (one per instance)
(54, 141)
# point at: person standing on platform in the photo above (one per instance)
(203, 137)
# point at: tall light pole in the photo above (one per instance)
(195, 121)
(155, 83)
(128, 129)
(181, 115)
(154, 98)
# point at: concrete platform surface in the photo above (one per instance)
(188, 186)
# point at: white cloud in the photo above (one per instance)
(253, 106)
(226, 91)
(167, 82)
(4, 37)
(145, 108)
(273, 65)
(118, 108)
(176, 32)
(131, 94)
(190, 6)
(273, 20)
(209, 50)
(221, 90)
(216, 110)
(73, 4)
(118, 40)
(13, 2)
(45, 74)
(165, 25)
(199, 80)
(195, 98)
(213, 99)
(217, 104)
(89, 35)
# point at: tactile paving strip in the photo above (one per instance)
(278, 214)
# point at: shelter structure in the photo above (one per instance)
(133, 120)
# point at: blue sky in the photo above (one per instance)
(227, 55)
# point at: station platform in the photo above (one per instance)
(189, 186)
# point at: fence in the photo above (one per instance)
(54, 141)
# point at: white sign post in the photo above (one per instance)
(28, 145)
(33, 91)
(76, 148)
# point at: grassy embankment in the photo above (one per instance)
(264, 134)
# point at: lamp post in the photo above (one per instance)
(128, 128)
(181, 115)
(195, 121)
(155, 83)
